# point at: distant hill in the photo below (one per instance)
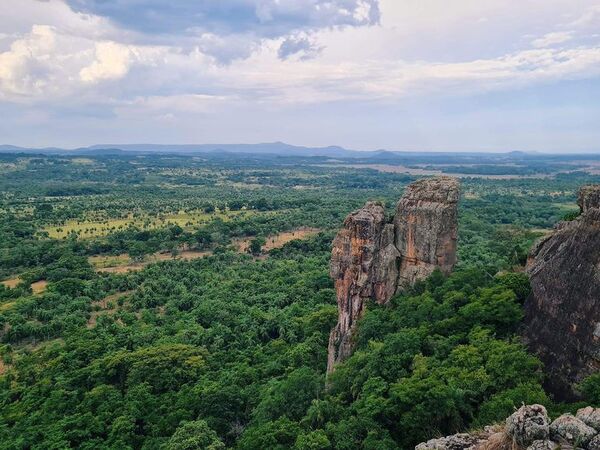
(272, 148)
(282, 149)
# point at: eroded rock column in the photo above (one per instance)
(426, 226)
(373, 259)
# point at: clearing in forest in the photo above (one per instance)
(277, 240)
(11, 282)
(186, 220)
(123, 263)
(38, 287)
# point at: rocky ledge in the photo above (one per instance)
(529, 428)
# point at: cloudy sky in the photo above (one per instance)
(366, 74)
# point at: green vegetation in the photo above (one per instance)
(229, 350)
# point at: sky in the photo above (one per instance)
(419, 75)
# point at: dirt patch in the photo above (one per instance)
(11, 283)
(39, 286)
(277, 240)
(123, 263)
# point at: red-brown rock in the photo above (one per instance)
(373, 259)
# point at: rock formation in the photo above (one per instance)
(362, 266)
(426, 228)
(529, 428)
(562, 315)
(374, 259)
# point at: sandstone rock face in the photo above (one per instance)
(562, 315)
(373, 259)
(360, 270)
(526, 428)
(528, 424)
(427, 228)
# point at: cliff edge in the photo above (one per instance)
(562, 315)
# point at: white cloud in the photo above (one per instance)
(550, 39)
(69, 63)
(112, 62)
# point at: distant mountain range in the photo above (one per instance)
(273, 148)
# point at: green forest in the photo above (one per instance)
(184, 302)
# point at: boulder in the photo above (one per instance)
(461, 441)
(528, 424)
(571, 430)
(594, 443)
(590, 416)
(543, 444)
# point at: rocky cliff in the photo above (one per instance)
(562, 315)
(529, 428)
(373, 259)
(426, 228)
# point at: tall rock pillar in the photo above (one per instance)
(373, 259)
(360, 270)
(426, 226)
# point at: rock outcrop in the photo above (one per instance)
(562, 315)
(528, 428)
(374, 259)
(363, 266)
(426, 228)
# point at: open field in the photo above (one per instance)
(277, 240)
(123, 263)
(185, 220)
(11, 283)
(389, 168)
(37, 287)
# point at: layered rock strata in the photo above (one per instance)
(374, 259)
(562, 315)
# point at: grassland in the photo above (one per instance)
(186, 220)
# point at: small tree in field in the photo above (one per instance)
(256, 245)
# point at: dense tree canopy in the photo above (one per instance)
(227, 349)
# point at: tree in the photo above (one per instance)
(255, 246)
(195, 435)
